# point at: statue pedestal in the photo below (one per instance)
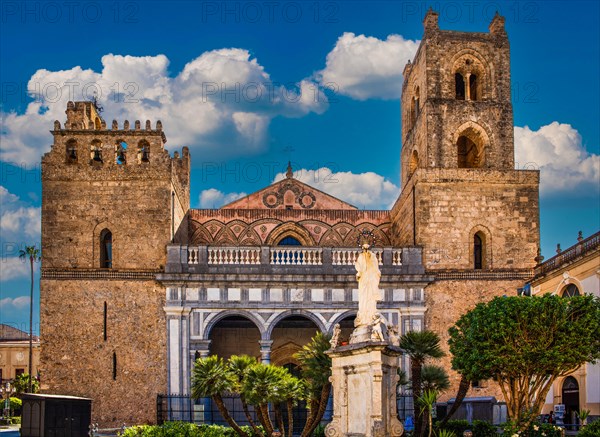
(364, 378)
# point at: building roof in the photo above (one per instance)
(10, 333)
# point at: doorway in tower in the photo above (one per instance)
(289, 334)
(570, 398)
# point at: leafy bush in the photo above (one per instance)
(319, 431)
(458, 427)
(182, 429)
(535, 429)
(591, 429)
(482, 428)
(445, 433)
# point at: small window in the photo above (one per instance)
(478, 251)
(106, 249)
(71, 150)
(459, 86)
(19, 372)
(114, 363)
(468, 153)
(570, 290)
(143, 151)
(96, 152)
(473, 87)
(289, 241)
(121, 153)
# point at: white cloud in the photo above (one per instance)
(213, 198)
(564, 163)
(18, 303)
(365, 67)
(20, 224)
(26, 220)
(14, 268)
(363, 190)
(221, 101)
(6, 197)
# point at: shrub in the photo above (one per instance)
(591, 429)
(481, 428)
(183, 429)
(458, 427)
(319, 430)
(535, 429)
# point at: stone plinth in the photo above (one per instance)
(364, 378)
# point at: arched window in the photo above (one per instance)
(121, 152)
(469, 154)
(570, 290)
(289, 241)
(96, 152)
(105, 249)
(459, 86)
(143, 151)
(473, 87)
(71, 151)
(478, 251)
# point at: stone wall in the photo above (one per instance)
(77, 360)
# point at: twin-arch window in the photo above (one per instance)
(466, 86)
(96, 152)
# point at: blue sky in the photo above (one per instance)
(330, 104)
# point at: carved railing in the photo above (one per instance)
(581, 248)
(286, 256)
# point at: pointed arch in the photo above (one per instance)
(293, 230)
(472, 143)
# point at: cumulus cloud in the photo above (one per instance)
(564, 163)
(363, 190)
(365, 67)
(18, 303)
(18, 219)
(14, 268)
(222, 101)
(213, 198)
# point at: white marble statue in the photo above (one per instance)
(367, 274)
(335, 338)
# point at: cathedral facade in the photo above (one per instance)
(136, 285)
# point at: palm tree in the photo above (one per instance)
(212, 377)
(315, 365)
(419, 345)
(34, 255)
(260, 387)
(434, 380)
(239, 365)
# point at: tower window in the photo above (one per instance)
(96, 152)
(121, 152)
(478, 251)
(105, 321)
(460, 86)
(106, 249)
(468, 153)
(71, 150)
(143, 151)
(473, 87)
(114, 363)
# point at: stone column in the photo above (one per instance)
(265, 351)
(178, 370)
(364, 379)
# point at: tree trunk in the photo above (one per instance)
(31, 326)
(223, 410)
(463, 389)
(314, 407)
(415, 369)
(268, 424)
(290, 413)
(279, 418)
(249, 417)
(322, 407)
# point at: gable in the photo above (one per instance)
(289, 193)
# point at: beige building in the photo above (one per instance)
(574, 271)
(14, 352)
(136, 285)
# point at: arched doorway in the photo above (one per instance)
(570, 398)
(235, 335)
(289, 335)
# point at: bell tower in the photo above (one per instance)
(462, 199)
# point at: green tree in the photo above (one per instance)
(21, 384)
(434, 381)
(211, 377)
(239, 365)
(34, 255)
(524, 344)
(261, 386)
(419, 346)
(315, 366)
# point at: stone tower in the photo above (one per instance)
(476, 217)
(111, 200)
